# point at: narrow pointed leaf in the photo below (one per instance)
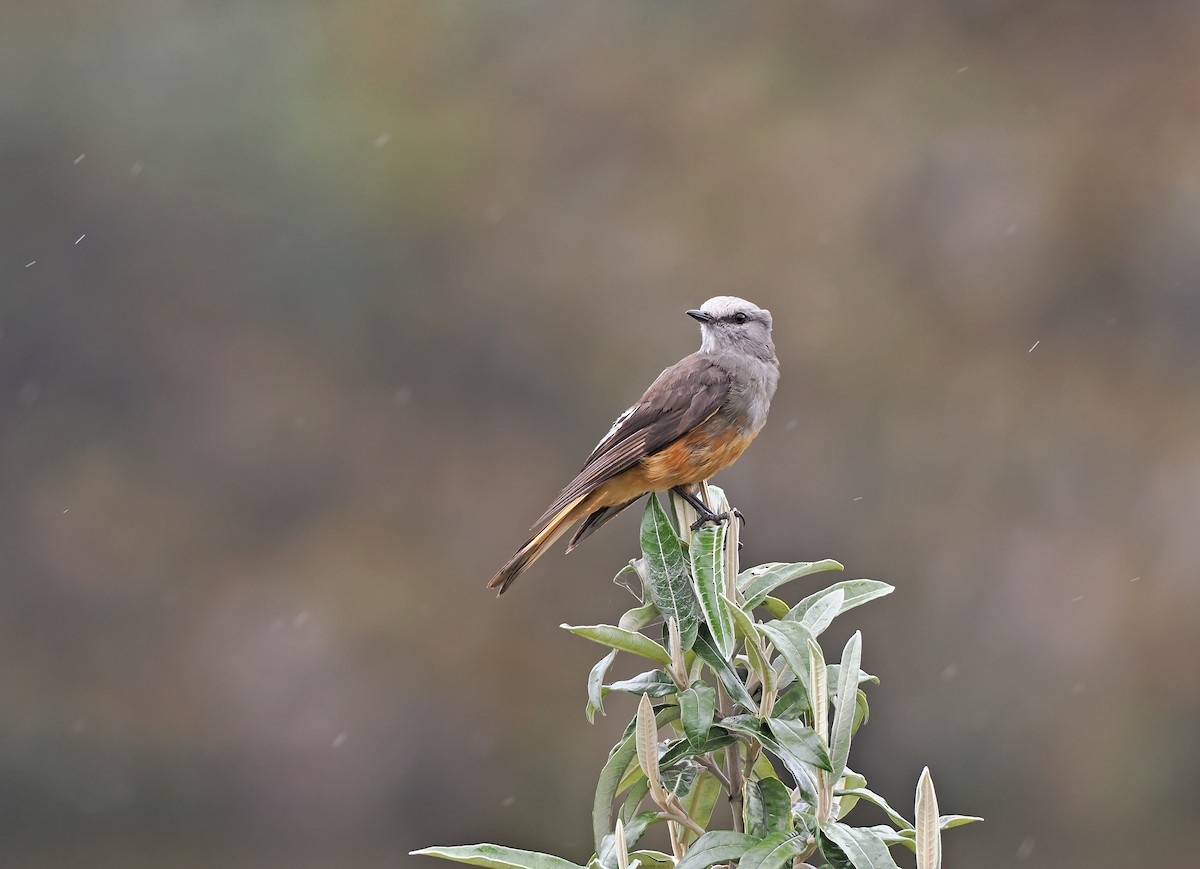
(817, 691)
(717, 846)
(595, 683)
(707, 652)
(696, 707)
(646, 743)
(863, 848)
(843, 718)
(774, 852)
(855, 592)
(758, 582)
(619, 638)
(929, 835)
(612, 773)
(667, 574)
(754, 646)
(708, 567)
(633, 830)
(497, 857)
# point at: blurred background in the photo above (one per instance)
(309, 309)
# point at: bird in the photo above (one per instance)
(696, 418)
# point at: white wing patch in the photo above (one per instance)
(616, 425)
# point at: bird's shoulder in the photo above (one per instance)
(686, 393)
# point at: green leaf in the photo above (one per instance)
(497, 857)
(629, 578)
(843, 717)
(823, 611)
(707, 652)
(696, 707)
(777, 805)
(670, 582)
(612, 773)
(855, 592)
(635, 828)
(776, 607)
(862, 710)
(656, 683)
(862, 847)
(595, 682)
(775, 851)
(763, 767)
(633, 799)
(792, 703)
(700, 802)
(638, 617)
(679, 780)
(929, 834)
(870, 796)
(708, 567)
(891, 837)
(946, 822)
(652, 859)
(754, 646)
(791, 641)
(717, 846)
(680, 749)
(758, 582)
(754, 813)
(835, 675)
(619, 638)
(800, 742)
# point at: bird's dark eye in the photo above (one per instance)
(740, 317)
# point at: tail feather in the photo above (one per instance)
(555, 527)
(594, 522)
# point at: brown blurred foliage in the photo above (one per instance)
(308, 309)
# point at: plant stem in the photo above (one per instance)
(676, 845)
(734, 755)
(708, 763)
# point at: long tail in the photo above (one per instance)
(555, 527)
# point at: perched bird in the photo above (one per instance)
(696, 418)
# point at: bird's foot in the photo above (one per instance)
(719, 518)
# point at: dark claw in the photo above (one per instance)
(718, 517)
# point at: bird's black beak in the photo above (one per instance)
(701, 316)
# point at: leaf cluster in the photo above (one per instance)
(740, 704)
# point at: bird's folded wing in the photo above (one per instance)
(681, 398)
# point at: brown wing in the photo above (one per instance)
(681, 398)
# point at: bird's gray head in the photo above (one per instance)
(730, 323)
